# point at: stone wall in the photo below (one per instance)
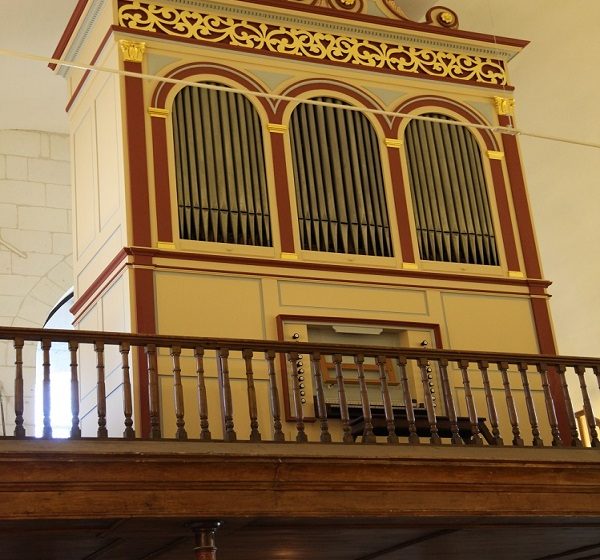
(35, 244)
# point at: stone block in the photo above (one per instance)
(50, 171)
(58, 196)
(13, 285)
(45, 145)
(5, 260)
(16, 167)
(8, 215)
(43, 219)
(36, 264)
(62, 275)
(2, 167)
(48, 292)
(20, 322)
(28, 241)
(62, 243)
(34, 311)
(10, 304)
(60, 148)
(20, 142)
(22, 193)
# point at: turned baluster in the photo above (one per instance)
(19, 393)
(368, 435)
(101, 389)
(252, 406)
(413, 437)
(475, 438)
(390, 421)
(294, 358)
(543, 371)
(225, 390)
(205, 434)
(315, 362)
(449, 402)
(491, 405)
(510, 405)
(434, 437)
(537, 441)
(75, 429)
(46, 398)
(587, 407)
(153, 396)
(180, 433)
(278, 434)
(128, 432)
(575, 441)
(344, 414)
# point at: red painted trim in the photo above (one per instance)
(110, 270)
(547, 346)
(533, 268)
(467, 113)
(159, 97)
(282, 193)
(68, 32)
(401, 205)
(141, 33)
(506, 226)
(136, 157)
(162, 191)
(243, 262)
(363, 99)
(88, 72)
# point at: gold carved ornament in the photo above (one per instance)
(309, 44)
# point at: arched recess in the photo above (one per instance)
(486, 145)
(162, 100)
(338, 176)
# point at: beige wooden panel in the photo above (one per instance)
(334, 297)
(114, 415)
(489, 323)
(209, 305)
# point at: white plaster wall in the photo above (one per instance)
(35, 244)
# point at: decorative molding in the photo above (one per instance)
(504, 105)
(493, 154)
(394, 142)
(410, 266)
(305, 43)
(132, 51)
(289, 256)
(277, 128)
(158, 112)
(515, 274)
(165, 246)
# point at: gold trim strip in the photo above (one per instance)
(166, 246)
(394, 143)
(158, 112)
(277, 128)
(410, 266)
(495, 155)
(305, 43)
(289, 256)
(505, 105)
(132, 51)
(515, 274)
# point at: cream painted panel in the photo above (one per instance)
(109, 150)
(336, 297)
(84, 165)
(96, 264)
(114, 415)
(207, 305)
(489, 323)
(87, 360)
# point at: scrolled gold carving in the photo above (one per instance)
(504, 105)
(132, 51)
(315, 45)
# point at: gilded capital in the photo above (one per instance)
(505, 105)
(132, 51)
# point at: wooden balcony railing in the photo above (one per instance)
(309, 392)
